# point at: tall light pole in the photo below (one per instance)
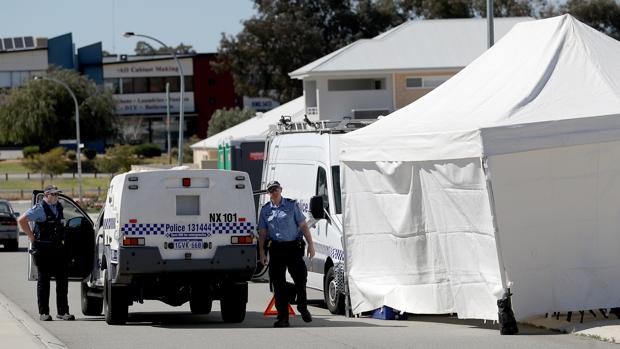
(181, 109)
(77, 129)
(490, 31)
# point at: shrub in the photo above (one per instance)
(71, 155)
(116, 159)
(147, 150)
(31, 151)
(90, 153)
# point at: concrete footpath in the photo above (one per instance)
(19, 330)
(594, 325)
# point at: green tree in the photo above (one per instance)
(226, 118)
(603, 15)
(143, 48)
(188, 153)
(286, 34)
(429, 9)
(117, 159)
(51, 163)
(43, 112)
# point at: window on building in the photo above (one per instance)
(413, 83)
(189, 84)
(127, 85)
(113, 85)
(19, 78)
(5, 79)
(425, 82)
(174, 83)
(140, 85)
(156, 84)
(355, 84)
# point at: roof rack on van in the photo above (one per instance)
(285, 125)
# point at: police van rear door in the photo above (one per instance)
(79, 239)
(188, 214)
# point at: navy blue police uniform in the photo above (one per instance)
(50, 255)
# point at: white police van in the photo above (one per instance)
(173, 236)
(304, 158)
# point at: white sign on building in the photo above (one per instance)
(148, 68)
(151, 103)
(259, 103)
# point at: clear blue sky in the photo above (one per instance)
(194, 22)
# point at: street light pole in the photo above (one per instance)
(168, 142)
(77, 129)
(490, 29)
(182, 92)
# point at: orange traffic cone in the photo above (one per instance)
(271, 308)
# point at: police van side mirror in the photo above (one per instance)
(316, 207)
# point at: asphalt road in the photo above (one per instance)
(156, 325)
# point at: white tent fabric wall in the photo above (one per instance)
(430, 241)
(540, 97)
(558, 216)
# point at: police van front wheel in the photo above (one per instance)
(331, 293)
(115, 303)
(90, 305)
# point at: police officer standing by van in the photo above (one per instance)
(49, 252)
(282, 224)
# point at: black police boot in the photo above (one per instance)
(45, 317)
(281, 323)
(305, 315)
(66, 316)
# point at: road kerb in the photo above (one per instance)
(47, 339)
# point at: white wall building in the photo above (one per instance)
(372, 77)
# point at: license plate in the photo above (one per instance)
(187, 244)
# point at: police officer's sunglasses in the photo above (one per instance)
(52, 194)
(272, 190)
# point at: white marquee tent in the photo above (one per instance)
(506, 175)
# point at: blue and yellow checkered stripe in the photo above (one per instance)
(143, 229)
(214, 228)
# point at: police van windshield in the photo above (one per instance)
(336, 186)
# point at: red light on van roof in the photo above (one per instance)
(187, 182)
(133, 221)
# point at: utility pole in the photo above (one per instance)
(490, 31)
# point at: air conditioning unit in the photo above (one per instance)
(368, 113)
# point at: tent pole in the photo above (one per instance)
(348, 312)
(487, 176)
(506, 317)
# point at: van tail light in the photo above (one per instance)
(242, 240)
(187, 182)
(127, 241)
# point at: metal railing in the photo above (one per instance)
(25, 194)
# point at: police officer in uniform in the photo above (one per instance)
(48, 251)
(283, 225)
